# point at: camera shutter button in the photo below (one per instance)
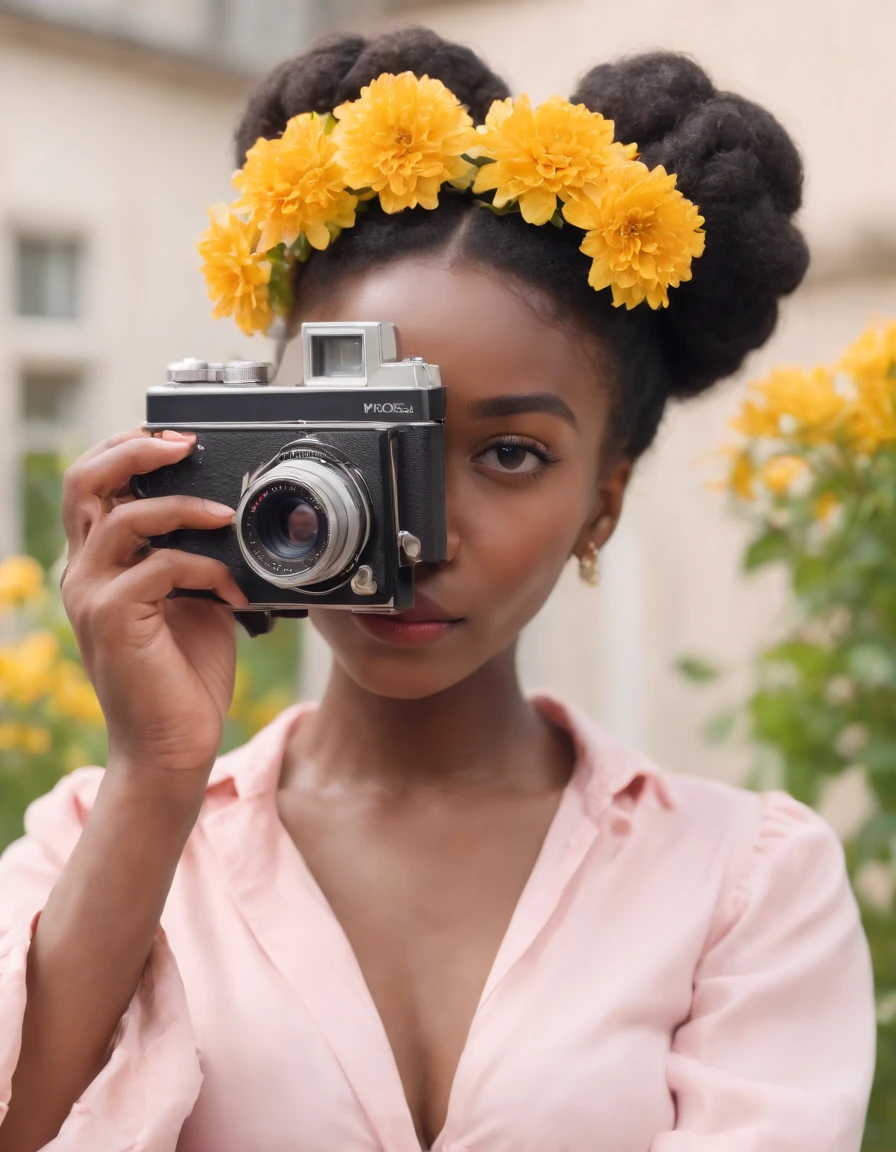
(193, 371)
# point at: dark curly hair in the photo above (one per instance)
(731, 157)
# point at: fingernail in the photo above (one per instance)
(217, 509)
(170, 434)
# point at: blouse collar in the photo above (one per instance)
(607, 773)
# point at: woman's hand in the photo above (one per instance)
(163, 669)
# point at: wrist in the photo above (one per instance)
(174, 792)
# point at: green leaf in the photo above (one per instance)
(557, 219)
(876, 839)
(505, 210)
(698, 670)
(872, 665)
(478, 161)
(811, 660)
(769, 548)
(718, 728)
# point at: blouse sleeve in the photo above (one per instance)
(778, 1052)
(151, 1081)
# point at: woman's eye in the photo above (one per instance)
(513, 458)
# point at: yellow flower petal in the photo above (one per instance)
(742, 477)
(403, 137)
(826, 505)
(792, 404)
(872, 357)
(538, 205)
(21, 581)
(781, 473)
(73, 696)
(27, 669)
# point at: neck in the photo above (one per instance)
(480, 733)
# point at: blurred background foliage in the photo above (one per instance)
(50, 718)
(813, 470)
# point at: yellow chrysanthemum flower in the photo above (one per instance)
(295, 185)
(16, 737)
(237, 276)
(544, 154)
(403, 138)
(792, 403)
(871, 364)
(642, 234)
(742, 477)
(73, 695)
(781, 473)
(871, 416)
(27, 669)
(21, 581)
(872, 357)
(825, 506)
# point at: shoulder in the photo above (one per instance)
(750, 840)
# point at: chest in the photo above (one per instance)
(568, 1041)
(424, 891)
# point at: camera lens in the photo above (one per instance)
(303, 520)
(289, 525)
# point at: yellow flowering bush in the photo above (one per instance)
(814, 472)
(50, 719)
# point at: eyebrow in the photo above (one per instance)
(519, 403)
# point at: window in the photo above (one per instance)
(48, 278)
(49, 403)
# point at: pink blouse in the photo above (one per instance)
(685, 972)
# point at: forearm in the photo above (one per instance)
(92, 942)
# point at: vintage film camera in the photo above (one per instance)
(338, 481)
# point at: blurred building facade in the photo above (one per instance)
(120, 115)
(671, 580)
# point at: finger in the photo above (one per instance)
(111, 442)
(150, 581)
(117, 537)
(89, 483)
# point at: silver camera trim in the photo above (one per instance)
(381, 367)
(338, 489)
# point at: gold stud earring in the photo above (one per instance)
(589, 566)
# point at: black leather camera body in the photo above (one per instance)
(338, 482)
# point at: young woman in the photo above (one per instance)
(431, 912)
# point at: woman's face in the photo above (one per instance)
(526, 483)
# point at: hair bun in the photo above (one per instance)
(737, 163)
(337, 67)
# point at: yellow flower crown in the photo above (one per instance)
(402, 140)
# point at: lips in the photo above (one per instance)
(426, 610)
(425, 623)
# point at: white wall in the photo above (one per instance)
(127, 161)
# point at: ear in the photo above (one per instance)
(608, 502)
